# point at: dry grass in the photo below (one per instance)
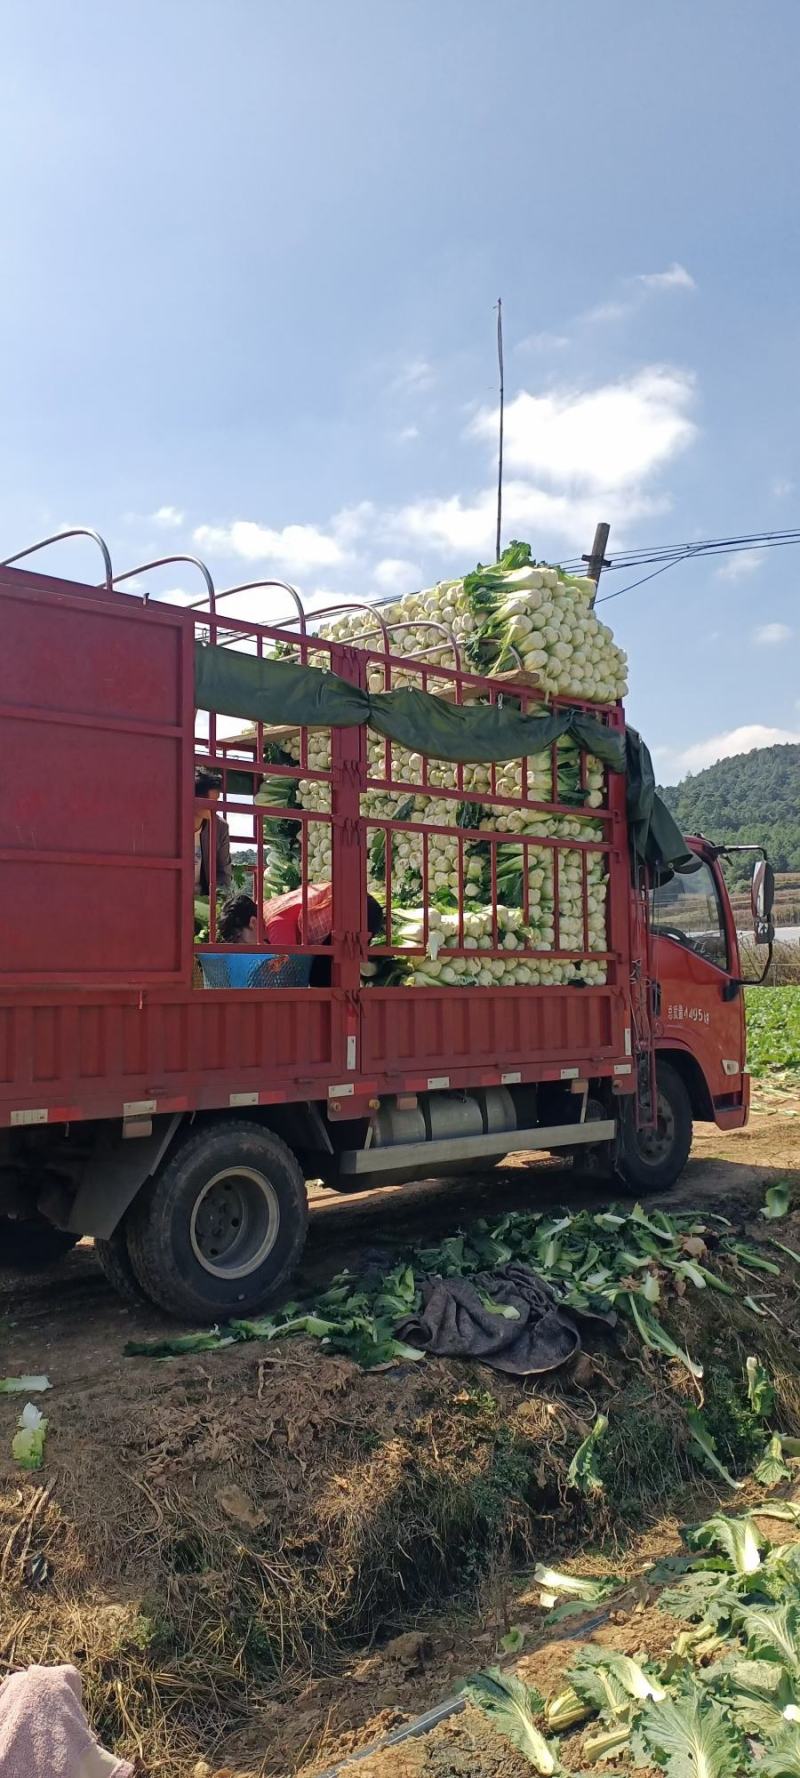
(198, 1585)
(213, 1545)
(784, 970)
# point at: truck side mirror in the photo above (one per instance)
(762, 897)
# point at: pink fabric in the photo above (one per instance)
(44, 1732)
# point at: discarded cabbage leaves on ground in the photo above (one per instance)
(27, 1445)
(725, 1703)
(620, 1259)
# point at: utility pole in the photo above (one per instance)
(596, 562)
(500, 442)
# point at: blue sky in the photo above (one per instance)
(246, 309)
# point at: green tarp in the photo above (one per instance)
(655, 837)
(281, 692)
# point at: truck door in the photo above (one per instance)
(695, 962)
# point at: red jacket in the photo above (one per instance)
(283, 916)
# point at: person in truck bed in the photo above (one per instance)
(284, 924)
(247, 966)
(207, 786)
(238, 921)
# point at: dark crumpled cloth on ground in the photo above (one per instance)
(453, 1322)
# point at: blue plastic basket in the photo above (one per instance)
(253, 969)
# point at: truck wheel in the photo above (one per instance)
(33, 1243)
(222, 1224)
(651, 1160)
(114, 1261)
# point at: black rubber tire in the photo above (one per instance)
(161, 1224)
(114, 1261)
(647, 1165)
(29, 1245)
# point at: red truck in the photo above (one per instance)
(177, 1123)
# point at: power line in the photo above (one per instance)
(666, 556)
(634, 583)
(699, 547)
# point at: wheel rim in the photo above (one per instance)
(234, 1223)
(656, 1145)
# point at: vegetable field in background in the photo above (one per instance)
(773, 1031)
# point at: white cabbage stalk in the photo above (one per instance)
(514, 938)
(545, 616)
(547, 619)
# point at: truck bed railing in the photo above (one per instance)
(60, 537)
(166, 562)
(352, 789)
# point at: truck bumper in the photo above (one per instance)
(734, 1117)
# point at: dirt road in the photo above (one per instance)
(71, 1311)
(200, 1496)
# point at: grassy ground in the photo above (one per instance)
(773, 1031)
(235, 1539)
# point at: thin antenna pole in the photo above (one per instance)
(500, 442)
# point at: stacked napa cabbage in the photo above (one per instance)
(519, 618)
(515, 614)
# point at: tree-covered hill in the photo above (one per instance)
(751, 797)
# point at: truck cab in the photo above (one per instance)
(699, 1022)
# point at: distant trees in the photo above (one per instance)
(753, 798)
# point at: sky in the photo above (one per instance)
(252, 252)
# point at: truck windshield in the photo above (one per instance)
(687, 909)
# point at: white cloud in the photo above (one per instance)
(675, 765)
(543, 342)
(740, 564)
(615, 435)
(782, 488)
(620, 308)
(464, 528)
(177, 595)
(769, 635)
(604, 312)
(453, 525)
(170, 518)
(395, 575)
(418, 374)
(573, 455)
(296, 549)
(407, 434)
(675, 277)
(349, 525)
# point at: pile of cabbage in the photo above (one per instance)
(516, 937)
(518, 615)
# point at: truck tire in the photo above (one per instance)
(114, 1261)
(651, 1160)
(222, 1224)
(32, 1244)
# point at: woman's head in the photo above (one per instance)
(238, 921)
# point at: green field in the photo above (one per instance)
(773, 1031)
